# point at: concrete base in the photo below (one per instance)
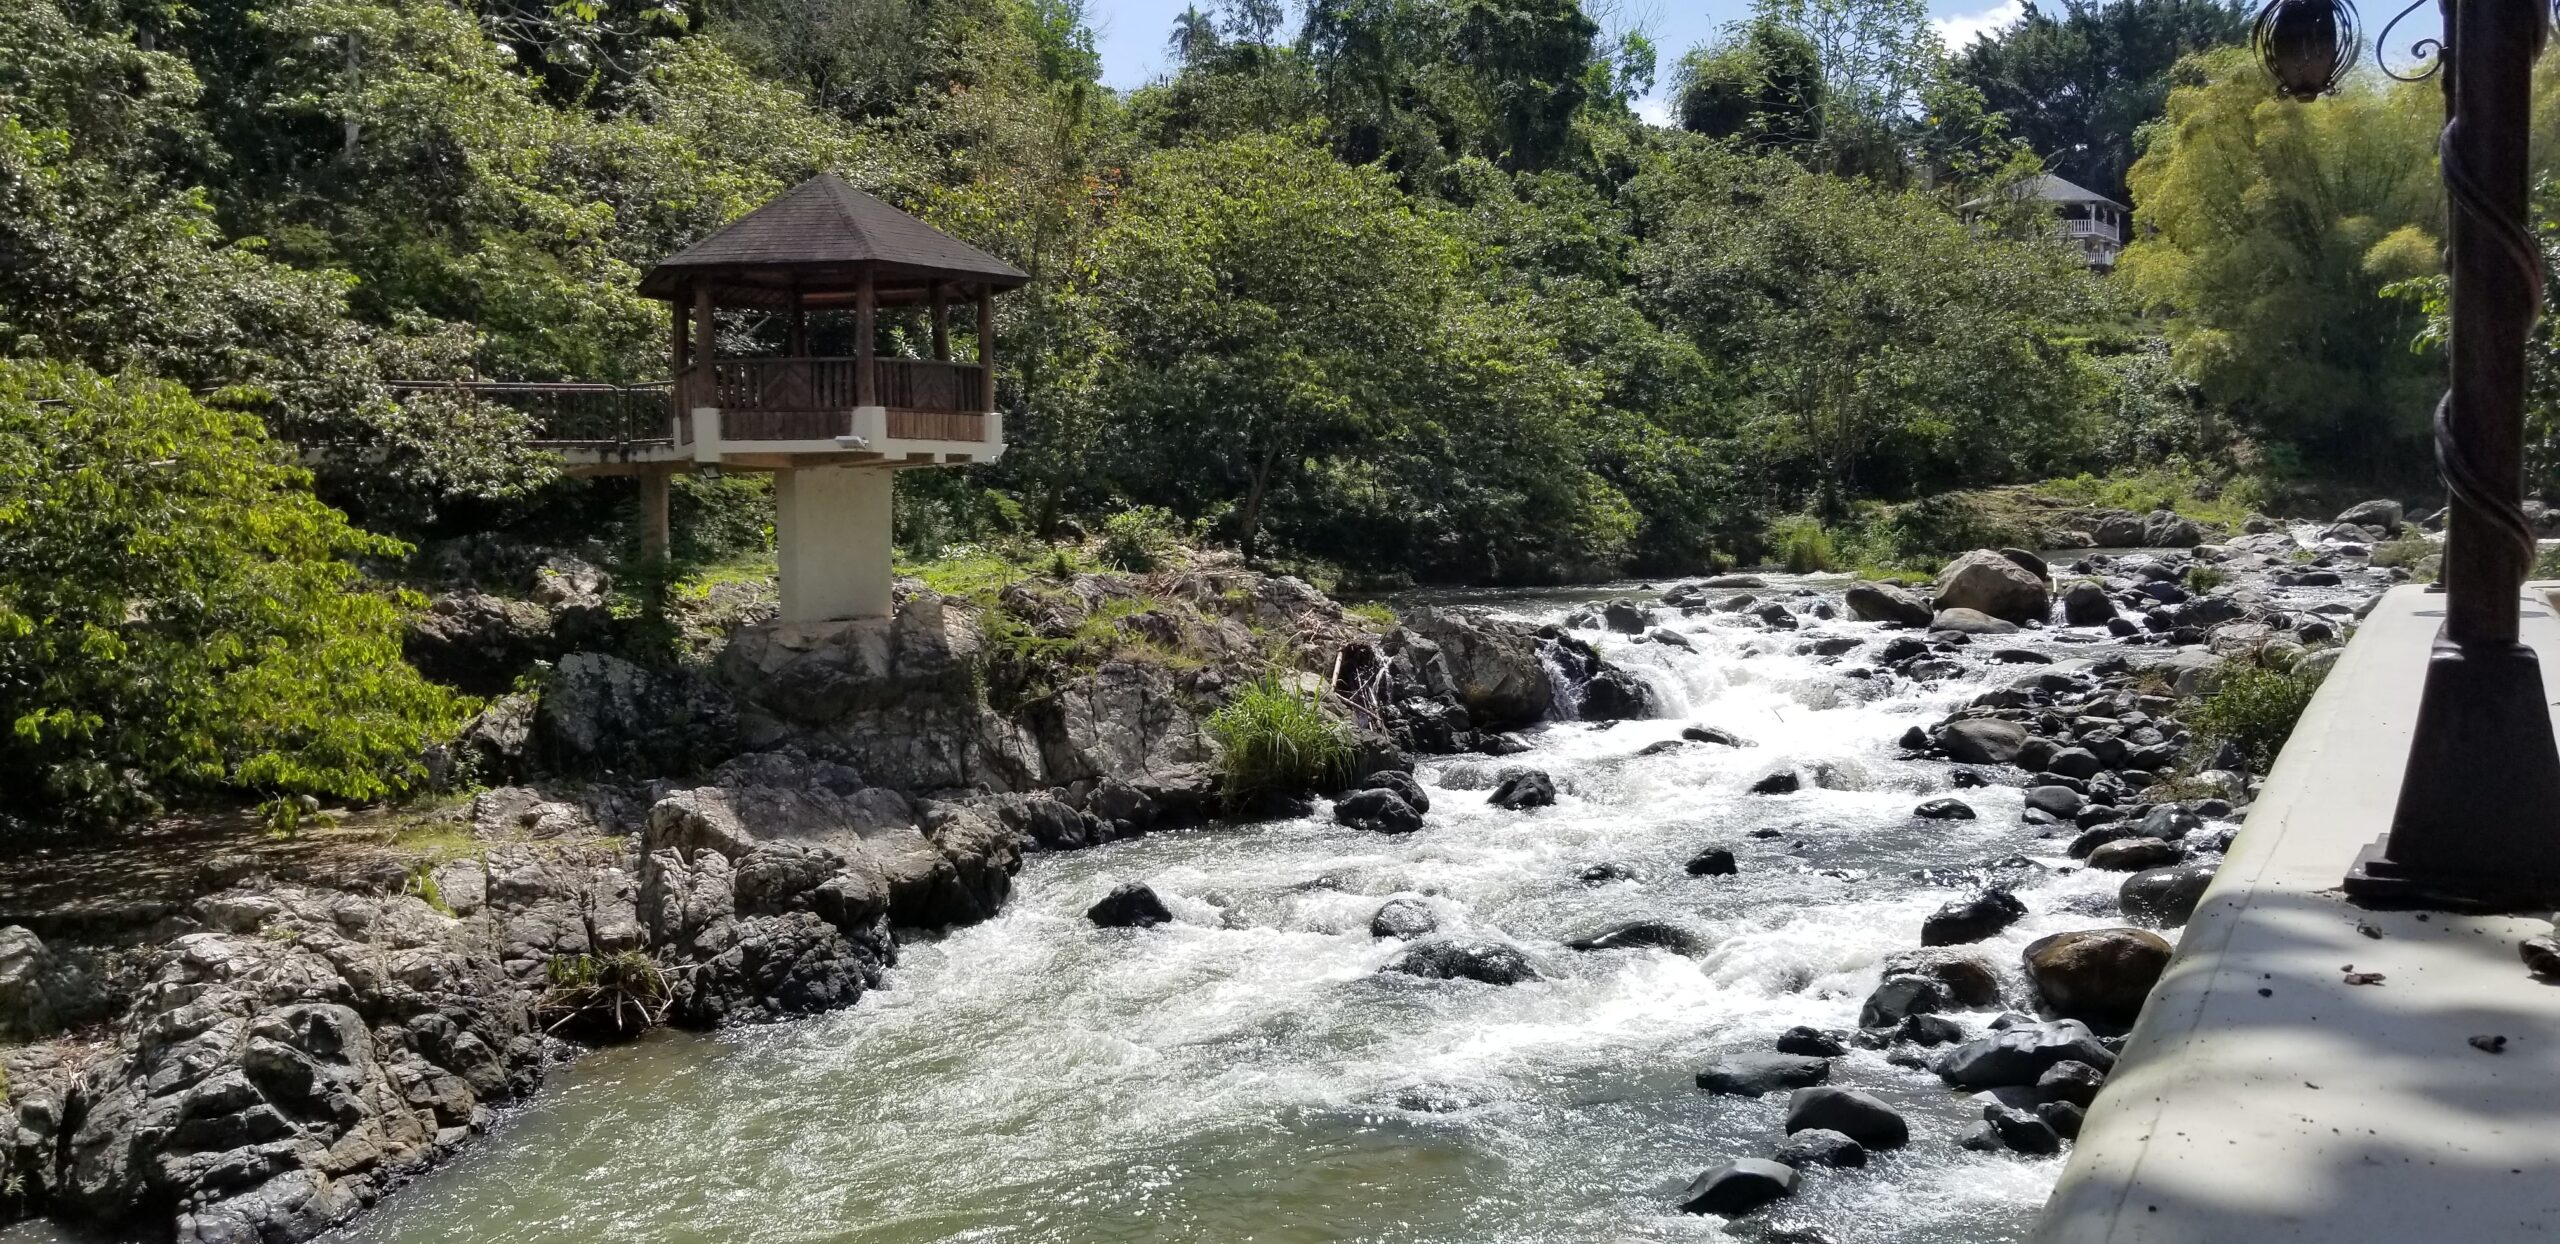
(832, 533)
(2265, 1099)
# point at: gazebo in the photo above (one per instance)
(752, 390)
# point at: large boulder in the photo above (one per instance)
(2165, 529)
(1982, 740)
(1379, 811)
(600, 713)
(1130, 905)
(1972, 919)
(1492, 665)
(2116, 529)
(2385, 514)
(2020, 1055)
(2099, 975)
(1989, 582)
(2087, 604)
(26, 977)
(1886, 602)
(478, 642)
(899, 699)
(1405, 918)
(1521, 789)
(2165, 897)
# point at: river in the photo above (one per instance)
(1246, 1074)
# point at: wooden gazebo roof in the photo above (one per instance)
(818, 240)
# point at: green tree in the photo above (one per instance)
(179, 616)
(1762, 85)
(2270, 231)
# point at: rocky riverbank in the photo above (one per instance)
(264, 1047)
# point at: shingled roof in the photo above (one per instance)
(817, 237)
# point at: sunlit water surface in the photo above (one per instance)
(1246, 1073)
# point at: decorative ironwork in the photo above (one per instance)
(2429, 53)
(562, 415)
(2306, 45)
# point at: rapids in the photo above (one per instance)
(1245, 1074)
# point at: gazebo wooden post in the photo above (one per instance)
(706, 352)
(798, 347)
(986, 347)
(679, 347)
(865, 306)
(941, 322)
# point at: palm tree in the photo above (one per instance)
(1194, 35)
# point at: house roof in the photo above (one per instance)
(2052, 189)
(819, 236)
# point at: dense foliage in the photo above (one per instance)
(178, 614)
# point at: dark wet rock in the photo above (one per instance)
(1476, 959)
(2097, 836)
(1755, 1075)
(2060, 801)
(2078, 762)
(1929, 1030)
(2166, 530)
(1981, 1138)
(1901, 648)
(1661, 747)
(2130, 855)
(1712, 734)
(2541, 955)
(1858, 1116)
(1774, 615)
(1402, 783)
(1972, 919)
(2020, 1131)
(1493, 665)
(1820, 1146)
(1982, 740)
(1130, 905)
(2087, 604)
(478, 642)
(1405, 919)
(1898, 998)
(1944, 810)
(1739, 1187)
(1803, 1039)
(1605, 872)
(1641, 934)
(600, 713)
(1782, 782)
(1967, 779)
(1626, 617)
(1712, 862)
(2074, 1082)
(2098, 975)
(1377, 811)
(1521, 789)
(2063, 1117)
(2020, 1054)
(1885, 602)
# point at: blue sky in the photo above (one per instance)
(1131, 33)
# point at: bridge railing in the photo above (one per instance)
(566, 415)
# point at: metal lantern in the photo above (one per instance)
(2306, 45)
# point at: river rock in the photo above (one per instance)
(1966, 976)
(2020, 1054)
(2063, 1117)
(1641, 934)
(601, 713)
(2098, 975)
(1713, 862)
(2385, 514)
(2165, 529)
(1521, 789)
(2116, 529)
(1130, 905)
(1820, 1146)
(1754, 1075)
(2074, 1082)
(2021, 1131)
(1987, 582)
(1898, 998)
(2087, 604)
(1403, 784)
(1781, 782)
(1380, 811)
(1858, 1116)
(2057, 801)
(1972, 919)
(1442, 957)
(1804, 1039)
(1982, 740)
(1626, 617)
(1405, 919)
(2137, 854)
(26, 975)
(476, 641)
(1738, 1187)
(1715, 735)
(1492, 665)
(1944, 810)
(1970, 622)
(1886, 602)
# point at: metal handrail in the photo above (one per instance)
(571, 413)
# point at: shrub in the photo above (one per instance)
(602, 999)
(1275, 738)
(1139, 538)
(2204, 578)
(180, 616)
(2254, 709)
(1803, 545)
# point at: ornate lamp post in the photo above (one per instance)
(2478, 823)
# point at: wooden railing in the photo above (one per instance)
(929, 384)
(807, 399)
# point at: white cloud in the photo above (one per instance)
(1656, 107)
(1959, 30)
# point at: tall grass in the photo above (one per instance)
(1275, 739)
(1803, 545)
(2254, 709)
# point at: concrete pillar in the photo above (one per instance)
(653, 516)
(832, 535)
